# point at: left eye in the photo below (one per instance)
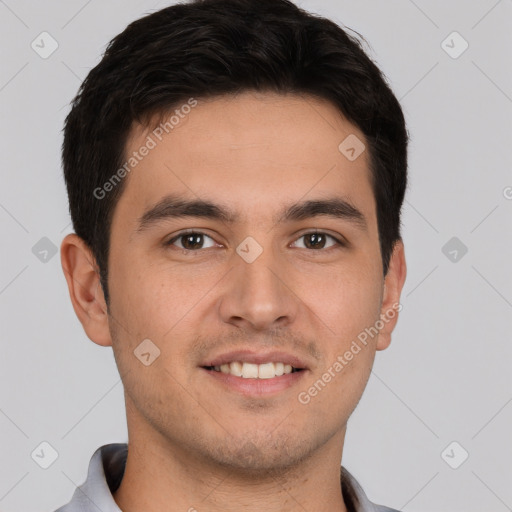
(318, 240)
(195, 240)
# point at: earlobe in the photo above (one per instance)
(82, 276)
(393, 284)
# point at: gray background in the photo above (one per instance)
(446, 377)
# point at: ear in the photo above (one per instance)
(393, 284)
(82, 276)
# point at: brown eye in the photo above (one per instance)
(191, 241)
(315, 241)
(318, 240)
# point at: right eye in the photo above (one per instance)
(190, 241)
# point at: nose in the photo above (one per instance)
(257, 295)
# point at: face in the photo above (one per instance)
(277, 262)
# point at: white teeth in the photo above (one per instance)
(236, 368)
(254, 371)
(250, 371)
(266, 371)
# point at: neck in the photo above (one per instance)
(164, 478)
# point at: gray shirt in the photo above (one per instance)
(106, 471)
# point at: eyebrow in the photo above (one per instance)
(176, 207)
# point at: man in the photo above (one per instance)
(235, 171)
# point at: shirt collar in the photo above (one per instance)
(106, 470)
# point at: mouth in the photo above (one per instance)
(255, 375)
(246, 370)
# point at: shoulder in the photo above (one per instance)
(356, 498)
(106, 469)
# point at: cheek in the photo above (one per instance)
(345, 299)
(150, 309)
(335, 393)
(348, 307)
(148, 306)
(165, 304)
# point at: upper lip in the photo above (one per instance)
(250, 356)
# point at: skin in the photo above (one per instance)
(194, 444)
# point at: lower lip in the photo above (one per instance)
(256, 387)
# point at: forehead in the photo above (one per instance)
(253, 151)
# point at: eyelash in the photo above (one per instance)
(339, 243)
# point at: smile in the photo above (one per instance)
(254, 371)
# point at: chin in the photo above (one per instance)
(263, 453)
